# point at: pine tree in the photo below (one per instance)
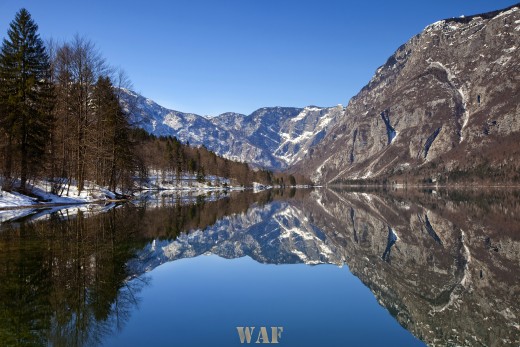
(26, 97)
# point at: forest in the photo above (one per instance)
(61, 121)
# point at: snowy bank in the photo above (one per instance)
(40, 194)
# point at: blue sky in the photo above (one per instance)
(211, 56)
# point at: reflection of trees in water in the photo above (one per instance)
(64, 280)
(96, 320)
(24, 291)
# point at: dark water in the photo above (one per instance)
(330, 267)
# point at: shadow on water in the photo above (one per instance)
(445, 264)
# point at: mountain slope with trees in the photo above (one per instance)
(174, 159)
(270, 137)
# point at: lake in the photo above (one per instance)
(304, 267)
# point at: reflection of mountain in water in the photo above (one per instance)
(447, 270)
(274, 233)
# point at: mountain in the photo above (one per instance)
(283, 133)
(443, 106)
(271, 137)
(188, 127)
(446, 101)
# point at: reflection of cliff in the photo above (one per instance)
(446, 274)
(446, 268)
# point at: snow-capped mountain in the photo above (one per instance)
(271, 137)
(445, 102)
(284, 133)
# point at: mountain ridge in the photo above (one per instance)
(270, 137)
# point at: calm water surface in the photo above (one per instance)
(331, 267)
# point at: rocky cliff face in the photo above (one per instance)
(450, 96)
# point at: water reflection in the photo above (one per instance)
(63, 279)
(452, 262)
(446, 265)
(63, 271)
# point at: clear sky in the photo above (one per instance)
(214, 56)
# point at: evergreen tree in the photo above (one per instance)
(26, 97)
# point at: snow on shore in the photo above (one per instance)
(41, 191)
(94, 193)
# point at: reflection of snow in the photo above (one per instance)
(468, 259)
(392, 239)
(273, 233)
(455, 292)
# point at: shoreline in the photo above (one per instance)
(44, 205)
